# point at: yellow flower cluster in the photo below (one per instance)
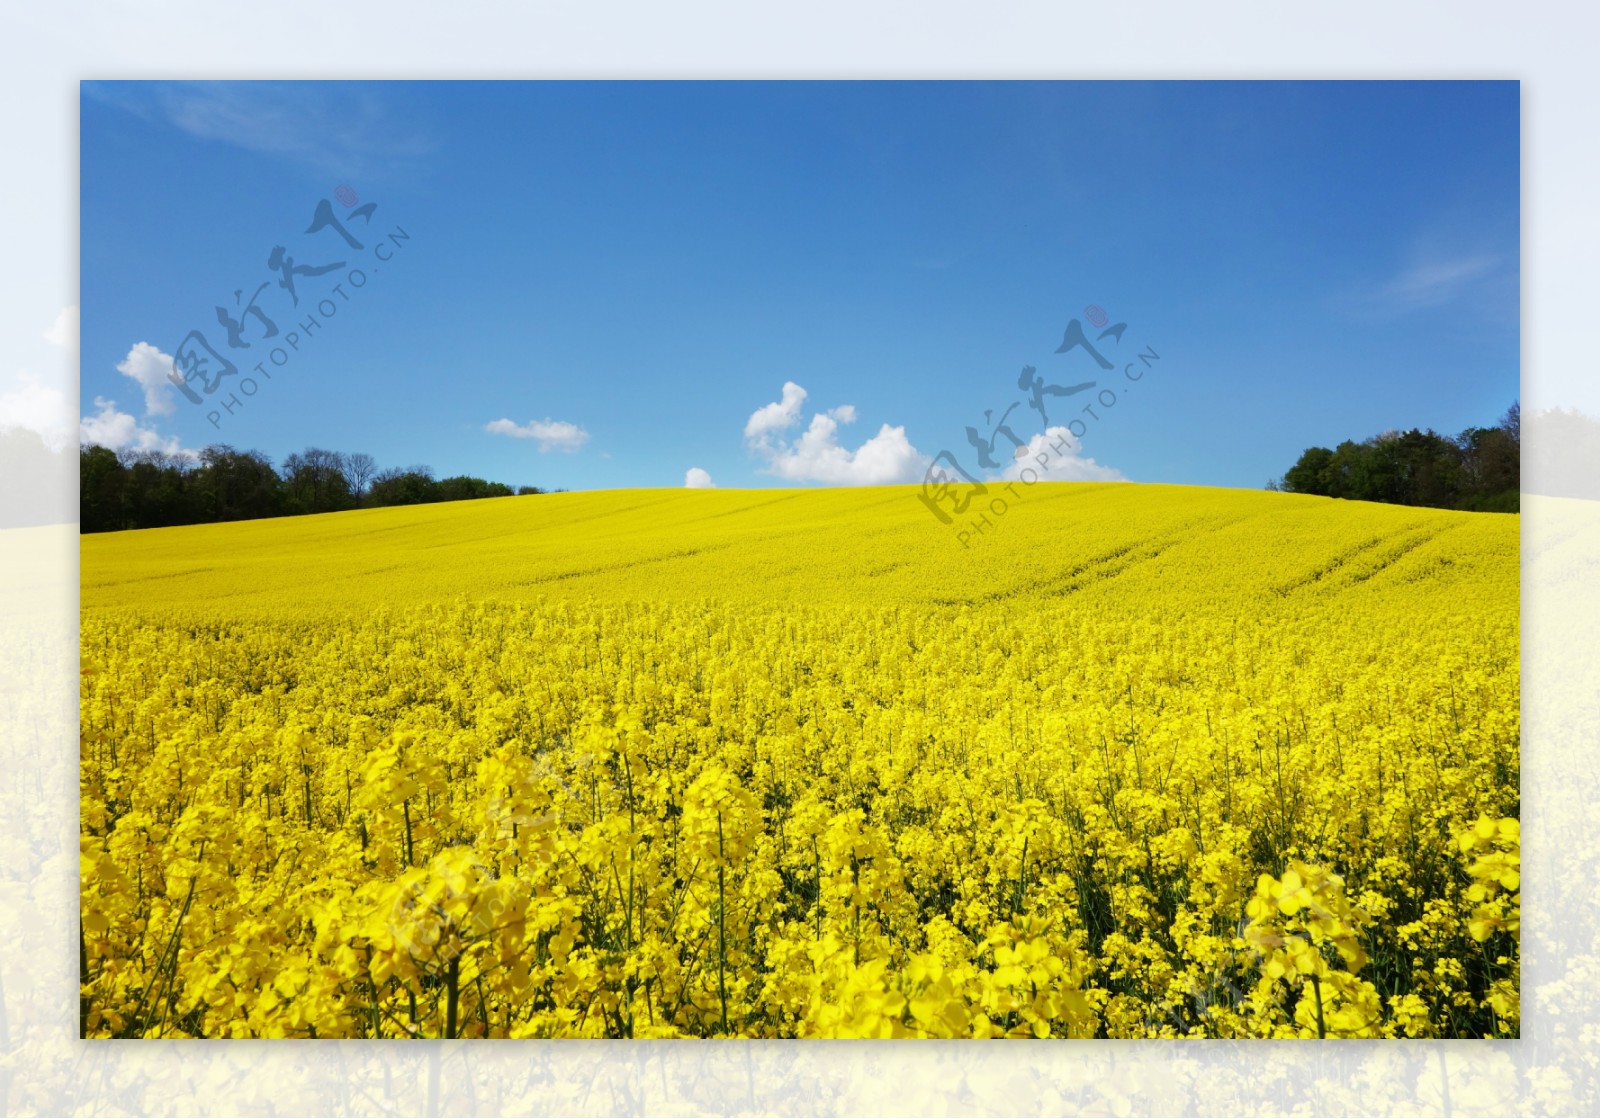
(1169, 763)
(1293, 923)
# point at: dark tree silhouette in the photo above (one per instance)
(1480, 469)
(359, 469)
(149, 489)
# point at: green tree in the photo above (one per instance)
(1309, 474)
(315, 482)
(1479, 469)
(101, 479)
(237, 485)
(403, 487)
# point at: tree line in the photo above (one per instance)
(1480, 469)
(149, 489)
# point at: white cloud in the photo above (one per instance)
(120, 431)
(817, 455)
(697, 479)
(152, 369)
(64, 331)
(552, 434)
(1056, 455)
(46, 405)
(769, 419)
(39, 407)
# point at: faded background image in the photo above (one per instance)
(45, 1069)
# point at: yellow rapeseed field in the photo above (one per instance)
(1140, 761)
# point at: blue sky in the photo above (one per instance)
(608, 284)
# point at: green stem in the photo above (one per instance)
(452, 996)
(1316, 987)
(722, 929)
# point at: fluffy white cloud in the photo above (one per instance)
(552, 434)
(64, 331)
(769, 419)
(1056, 455)
(46, 405)
(697, 479)
(39, 407)
(119, 431)
(152, 370)
(818, 456)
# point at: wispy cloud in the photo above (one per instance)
(552, 435)
(816, 455)
(1462, 260)
(1436, 281)
(342, 129)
